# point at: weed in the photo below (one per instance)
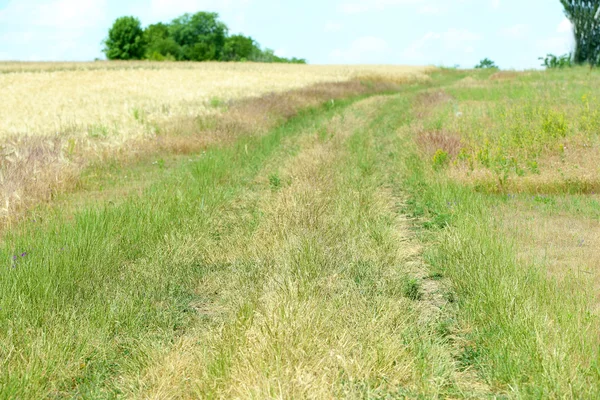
(440, 159)
(96, 131)
(412, 289)
(528, 136)
(469, 357)
(139, 115)
(216, 102)
(274, 181)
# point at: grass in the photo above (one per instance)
(527, 311)
(136, 293)
(362, 249)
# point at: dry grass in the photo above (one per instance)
(426, 102)
(430, 142)
(507, 75)
(566, 245)
(96, 111)
(575, 170)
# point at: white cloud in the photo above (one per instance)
(168, 9)
(562, 42)
(55, 29)
(360, 6)
(495, 4)
(431, 9)
(516, 31)
(56, 14)
(450, 41)
(565, 26)
(332, 26)
(555, 45)
(362, 50)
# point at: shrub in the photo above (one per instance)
(552, 61)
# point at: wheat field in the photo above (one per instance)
(128, 99)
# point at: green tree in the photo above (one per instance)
(240, 48)
(269, 56)
(585, 17)
(125, 40)
(201, 36)
(486, 63)
(159, 45)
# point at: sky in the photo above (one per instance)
(513, 33)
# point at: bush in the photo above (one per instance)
(557, 62)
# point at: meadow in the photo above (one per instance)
(396, 233)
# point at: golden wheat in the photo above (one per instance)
(128, 99)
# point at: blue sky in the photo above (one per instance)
(514, 33)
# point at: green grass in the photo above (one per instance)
(528, 334)
(289, 265)
(89, 294)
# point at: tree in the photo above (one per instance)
(125, 40)
(201, 36)
(585, 17)
(191, 37)
(240, 48)
(159, 45)
(486, 63)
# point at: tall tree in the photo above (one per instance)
(585, 17)
(201, 36)
(125, 40)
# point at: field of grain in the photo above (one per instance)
(124, 100)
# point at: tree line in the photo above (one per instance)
(190, 37)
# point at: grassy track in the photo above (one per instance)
(85, 301)
(341, 255)
(320, 298)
